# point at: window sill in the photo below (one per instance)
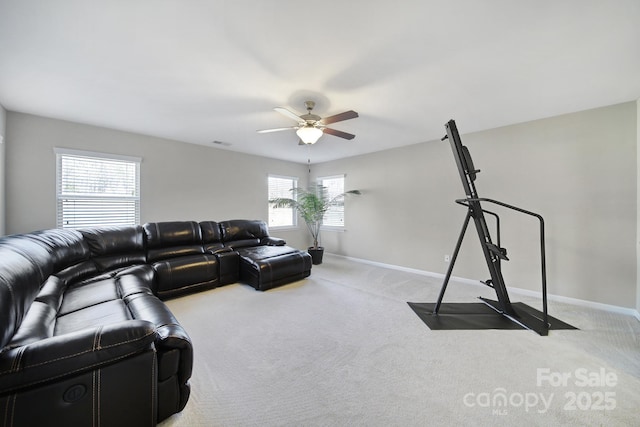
(333, 228)
(283, 227)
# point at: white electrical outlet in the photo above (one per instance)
(447, 258)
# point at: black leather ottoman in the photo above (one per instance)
(266, 267)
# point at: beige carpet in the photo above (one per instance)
(343, 348)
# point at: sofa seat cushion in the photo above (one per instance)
(265, 267)
(85, 295)
(185, 274)
(102, 314)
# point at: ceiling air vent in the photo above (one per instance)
(224, 144)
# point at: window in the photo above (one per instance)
(334, 217)
(281, 186)
(94, 189)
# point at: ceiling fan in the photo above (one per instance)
(311, 126)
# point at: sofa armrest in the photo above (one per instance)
(63, 355)
(170, 335)
(272, 241)
(218, 250)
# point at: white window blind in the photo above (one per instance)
(334, 217)
(95, 189)
(281, 186)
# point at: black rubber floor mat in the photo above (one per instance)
(470, 316)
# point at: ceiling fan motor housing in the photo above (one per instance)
(311, 119)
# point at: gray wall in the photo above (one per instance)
(3, 117)
(577, 170)
(179, 181)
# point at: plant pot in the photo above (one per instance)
(316, 255)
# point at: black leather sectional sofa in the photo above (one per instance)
(85, 338)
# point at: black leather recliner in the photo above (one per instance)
(175, 251)
(80, 342)
(84, 336)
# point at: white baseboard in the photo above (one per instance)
(526, 292)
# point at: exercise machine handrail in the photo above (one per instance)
(543, 263)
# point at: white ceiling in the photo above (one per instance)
(199, 71)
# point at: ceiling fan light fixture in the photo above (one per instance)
(309, 134)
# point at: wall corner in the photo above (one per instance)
(638, 206)
(3, 169)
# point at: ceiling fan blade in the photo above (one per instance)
(340, 117)
(276, 129)
(289, 114)
(338, 133)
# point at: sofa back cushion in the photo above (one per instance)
(66, 247)
(114, 247)
(239, 233)
(20, 280)
(69, 252)
(172, 239)
(32, 250)
(211, 236)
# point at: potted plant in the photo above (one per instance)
(311, 205)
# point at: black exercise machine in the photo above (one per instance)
(522, 315)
